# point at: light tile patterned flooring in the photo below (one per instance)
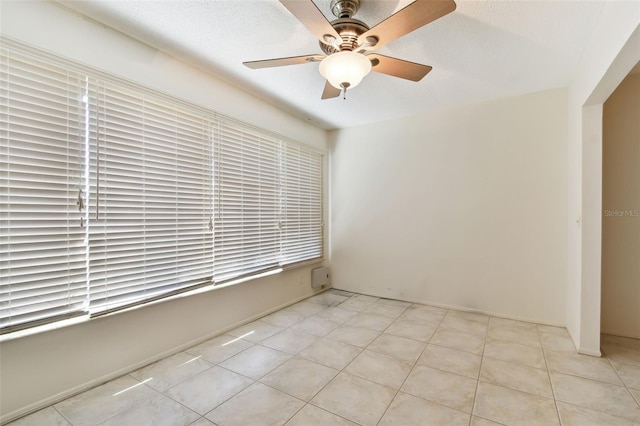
(346, 359)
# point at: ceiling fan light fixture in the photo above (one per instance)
(345, 69)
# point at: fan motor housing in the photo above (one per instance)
(349, 29)
(344, 8)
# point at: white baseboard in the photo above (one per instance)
(587, 351)
(466, 309)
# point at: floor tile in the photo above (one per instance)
(442, 387)
(341, 292)
(464, 325)
(355, 336)
(511, 407)
(202, 422)
(516, 376)
(630, 375)
(48, 416)
(305, 309)
(424, 314)
(411, 329)
(327, 299)
(348, 353)
(255, 331)
(337, 314)
(605, 397)
(283, 318)
(586, 366)
(370, 321)
(621, 355)
(170, 371)
(219, 348)
(316, 326)
(472, 316)
(157, 411)
(451, 360)
(354, 398)
(257, 405)
(557, 342)
(459, 340)
(105, 401)
(385, 310)
(300, 378)
(207, 390)
(624, 342)
(479, 421)
(393, 302)
(357, 305)
(574, 415)
(379, 368)
(529, 337)
(408, 410)
(256, 361)
(505, 322)
(549, 329)
(331, 353)
(365, 298)
(310, 415)
(621, 350)
(398, 347)
(290, 341)
(514, 352)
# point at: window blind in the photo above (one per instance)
(42, 249)
(302, 226)
(151, 198)
(114, 195)
(247, 201)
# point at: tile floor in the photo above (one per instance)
(346, 359)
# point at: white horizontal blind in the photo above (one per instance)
(246, 200)
(151, 198)
(42, 250)
(302, 226)
(113, 195)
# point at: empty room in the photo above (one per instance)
(319, 212)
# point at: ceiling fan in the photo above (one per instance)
(348, 43)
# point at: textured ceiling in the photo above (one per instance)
(484, 50)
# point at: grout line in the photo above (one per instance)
(333, 378)
(61, 415)
(553, 391)
(475, 394)
(413, 366)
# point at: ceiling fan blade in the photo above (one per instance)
(281, 62)
(308, 13)
(330, 91)
(410, 18)
(398, 67)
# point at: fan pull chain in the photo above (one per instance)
(344, 86)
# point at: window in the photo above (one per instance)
(150, 204)
(114, 195)
(42, 251)
(246, 220)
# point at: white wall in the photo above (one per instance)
(461, 207)
(613, 50)
(621, 210)
(43, 368)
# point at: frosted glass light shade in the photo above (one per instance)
(345, 69)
